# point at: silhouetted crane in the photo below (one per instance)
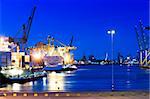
(138, 38)
(25, 30)
(71, 41)
(143, 43)
(142, 37)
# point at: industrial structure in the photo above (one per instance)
(13, 50)
(142, 34)
(10, 54)
(50, 54)
(15, 47)
(24, 31)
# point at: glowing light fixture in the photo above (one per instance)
(111, 31)
(37, 56)
(67, 58)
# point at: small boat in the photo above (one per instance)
(69, 67)
(60, 68)
(30, 77)
(53, 68)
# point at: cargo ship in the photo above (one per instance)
(46, 57)
(50, 57)
(10, 55)
(13, 62)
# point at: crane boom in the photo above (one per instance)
(143, 36)
(71, 41)
(27, 27)
(138, 39)
(60, 43)
(25, 30)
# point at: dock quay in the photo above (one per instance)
(77, 95)
(74, 49)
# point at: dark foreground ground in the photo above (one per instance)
(95, 95)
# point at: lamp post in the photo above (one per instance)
(112, 32)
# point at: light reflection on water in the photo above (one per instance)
(128, 78)
(88, 78)
(30, 83)
(44, 81)
(53, 82)
(56, 81)
(16, 86)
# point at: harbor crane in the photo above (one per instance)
(138, 38)
(143, 36)
(71, 41)
(52, 39)
(25, 29)
(143, 43)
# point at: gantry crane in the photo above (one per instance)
(52, 39)
(71, 41)
(143, 43)
(138, 38)
(25, 30)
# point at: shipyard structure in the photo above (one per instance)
(10, 54)
(50, 54)
(142, 34)
(39, 55)
(19, 63)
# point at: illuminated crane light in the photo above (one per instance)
(37, 55)
(67, 58)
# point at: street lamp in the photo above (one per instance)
(112, 32)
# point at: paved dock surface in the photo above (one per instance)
(96, 95)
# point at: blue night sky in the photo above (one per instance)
(87, 20)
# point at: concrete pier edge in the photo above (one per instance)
(76, 94)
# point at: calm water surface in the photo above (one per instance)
(89, 78)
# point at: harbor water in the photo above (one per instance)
(88, 78)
